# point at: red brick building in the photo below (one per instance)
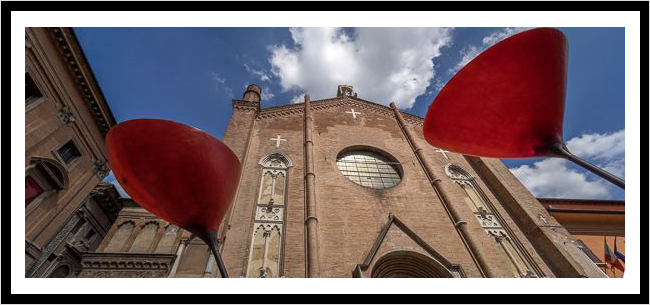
(591, 223)
(344, 187)
(339, 187)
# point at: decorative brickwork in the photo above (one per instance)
(102, 264)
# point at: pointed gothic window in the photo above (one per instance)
(486, 216)
(166, 243)
(119, 238)
(266, 241)
(145, 238)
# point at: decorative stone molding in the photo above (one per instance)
(454, 172)
(101, 169)
(487, 221)
(124, 264)
(269, 213)
(266, 161)
(106, 195)
(438, 262)
(52, 244)
(246, 106)
(76, 62)
(324, 104)
(66, 116)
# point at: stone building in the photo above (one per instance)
(344, 187)
(66, 119)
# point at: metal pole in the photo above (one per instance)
(560, 150)
(211, 240)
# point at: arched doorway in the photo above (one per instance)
(405, 264)
(61, 271)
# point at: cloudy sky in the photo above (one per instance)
(191, 75)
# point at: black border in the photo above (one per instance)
(8, 7)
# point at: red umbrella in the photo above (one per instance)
(177, 172)
(508, 102)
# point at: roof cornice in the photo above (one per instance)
(323, 104)
(76, 62)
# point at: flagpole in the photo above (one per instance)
(605, 254)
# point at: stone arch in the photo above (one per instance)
(272, 159)
(168, 240)
(457, 172)
(122, 233)
(53, 169)
(145, 237)
(60, 272)
(401, 263)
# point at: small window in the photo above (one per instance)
(32, 92)
(91, 233)
(42, 178)
(68, 152)
(37, 185)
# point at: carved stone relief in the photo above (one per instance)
(269, 213)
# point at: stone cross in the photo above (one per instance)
(277, 140)
(354, 114)
(443, 153)
(542, 218)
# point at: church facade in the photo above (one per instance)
(344, 187)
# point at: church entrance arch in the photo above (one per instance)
(405, 264)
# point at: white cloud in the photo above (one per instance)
(553, 178)
(267, 94)
(471, 51)
(259, 73)
(298, 99)
(605, 150)
(598, 146)
(220, 84)
(383, 64)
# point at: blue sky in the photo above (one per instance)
(190, 75)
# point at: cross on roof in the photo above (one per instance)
(277, 140)
(354, 114)
(542, 218)
(443, 153)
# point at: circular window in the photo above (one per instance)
(368, 168)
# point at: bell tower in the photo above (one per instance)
(345, 90)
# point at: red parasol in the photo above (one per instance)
(508, 102)
(177, 172)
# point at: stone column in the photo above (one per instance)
(209, 267)
(461, 225)
(179, 256)
(311, 221)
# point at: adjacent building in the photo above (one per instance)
(66, 119)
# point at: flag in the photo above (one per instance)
(611, 258)
(619, 254)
